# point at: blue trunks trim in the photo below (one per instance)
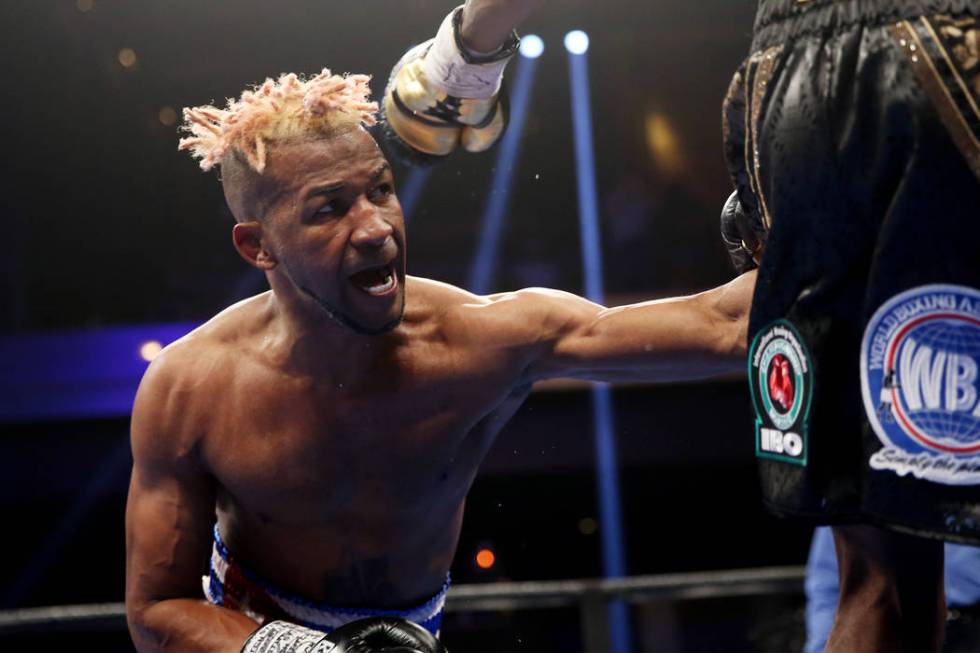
(306, 612)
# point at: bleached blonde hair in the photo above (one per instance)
(284, 109)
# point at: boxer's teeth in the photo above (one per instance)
(383, 287)
(375, 281)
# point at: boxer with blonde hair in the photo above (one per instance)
(316, 442)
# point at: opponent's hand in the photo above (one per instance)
(440, 96)
(744, 236)
(384, 635)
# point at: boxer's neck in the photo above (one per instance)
(302, 338)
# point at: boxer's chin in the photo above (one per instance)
(375, 325)
(376, 307)
(369, 316)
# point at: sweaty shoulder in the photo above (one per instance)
(176, 395)
(520, 318)
(201, 357)
(429, 299)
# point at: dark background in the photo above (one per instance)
(105, 223)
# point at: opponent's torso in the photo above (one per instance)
(352, 493)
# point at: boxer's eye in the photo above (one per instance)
(329, 207)
(382, 191)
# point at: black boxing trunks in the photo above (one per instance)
(853, 130)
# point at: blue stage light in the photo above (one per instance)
(577, 41)
(607, 466)
(531, 46)
(481, 275)
(410, 191)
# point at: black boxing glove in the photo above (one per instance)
(744, 235)
(374, 635)
(384, 634)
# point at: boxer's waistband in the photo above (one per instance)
(230, 585)
(781, 21)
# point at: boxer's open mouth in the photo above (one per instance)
(377, 281)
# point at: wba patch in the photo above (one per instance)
(919, 364)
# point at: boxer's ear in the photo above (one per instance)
(248, 240)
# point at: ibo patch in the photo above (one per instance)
(919, 364)
(781, 380)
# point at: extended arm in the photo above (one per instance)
(169, 515)
(486, 24)
(666, 340)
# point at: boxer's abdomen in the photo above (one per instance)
(352, 496)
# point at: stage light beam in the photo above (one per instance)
(577, 42)
(482, 268)
(607, 470)
(532, 46)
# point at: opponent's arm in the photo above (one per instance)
(169, 515)
(665, 340)
(486, 24)
(442, 94)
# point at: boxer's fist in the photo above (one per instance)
(744, 236)
(383, 635)
(440, 96)
(374, 635)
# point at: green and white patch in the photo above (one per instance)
(781, 382)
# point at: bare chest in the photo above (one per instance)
(301, 454)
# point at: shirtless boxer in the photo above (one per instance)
(318, 441)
